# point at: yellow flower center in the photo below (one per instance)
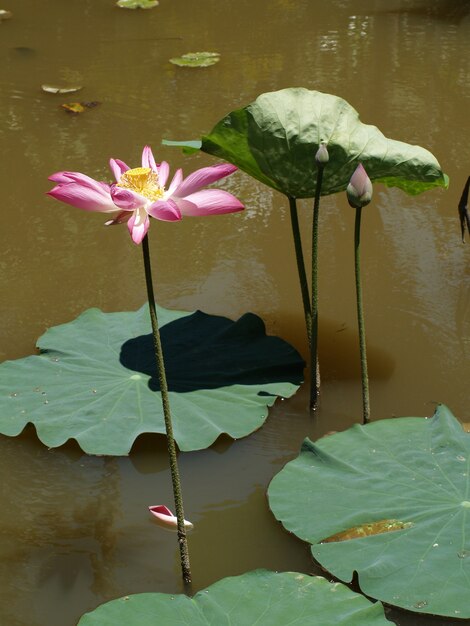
(143, 180)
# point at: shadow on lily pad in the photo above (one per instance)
(207, 352)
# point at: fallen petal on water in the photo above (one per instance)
(165, 517)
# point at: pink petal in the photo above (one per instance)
(79, 178)
(163, 172)
(118, 168)
(160, 510)
(148, 159)
(166, 518)
(138, 225)
(61, 177)
(127, 199)
(83, 197)
(185, 207)
(211, 202)
(175, 183)
(166, 210)
(202, 177)
(121, 217)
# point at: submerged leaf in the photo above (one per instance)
(413, 470)
(196, 59)
(25, 51)
(137, 4)
(95, 380)
(260, 597)
(276, 137)
(61, 88)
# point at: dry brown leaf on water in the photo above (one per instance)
(78, 107)
(366, 530)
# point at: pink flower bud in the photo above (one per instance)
(359, 190)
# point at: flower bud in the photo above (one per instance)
(322, 157)
(359, 190)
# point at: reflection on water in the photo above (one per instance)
(58, 531)
(75, 531)
(447, 10)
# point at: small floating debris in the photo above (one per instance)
(5, 15)
(196, 59)
(166, 518)
(61, 88)
(137, 4)
(421, 604)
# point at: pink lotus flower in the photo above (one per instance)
(166, 518)
(141, 192)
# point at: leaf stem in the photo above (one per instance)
(301, 266)
(175, 478)
(360, 320)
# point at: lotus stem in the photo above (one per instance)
(301, 267)
(175, 477)
(360, 320)
(314, 366)
(463, 210)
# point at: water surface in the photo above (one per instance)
(74, 530)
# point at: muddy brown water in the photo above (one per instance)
(74, 530)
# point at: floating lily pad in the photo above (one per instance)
(275, 139)
(137, 4)
(260, 597)
(95, 380)
(196, 59)
(61, 88)
(390, 501)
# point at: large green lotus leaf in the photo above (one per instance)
(275, 139)
(393, 500)
(260, 597)
(95, 380)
